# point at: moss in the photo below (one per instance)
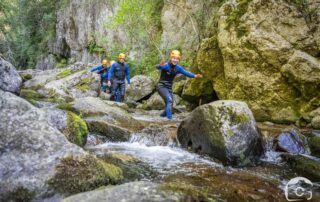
(305, 166)
(66, 106)
(314, 143)
(230, 133)
(75, 174)
(242, 118)
(62, 62)
(31, 95)
(76, 131)
(64, 73)
(133, 169)
(84, 84)
(26, 77)
(236, 14)
(19, 194)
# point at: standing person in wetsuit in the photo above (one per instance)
(118, 72)
(168, 72)
(103, 71)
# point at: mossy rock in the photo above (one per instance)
(77, 130)
(31, 95)
(314, 143)
(305, 166)
(19, 194)
(177, 87)
(84, 84)
(133, 169)
(80, 174)
(64, 73)
(26, 77)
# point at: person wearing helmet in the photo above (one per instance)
(118, 72)
(168, 72)
(103, 71)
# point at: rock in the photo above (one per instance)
(315, 122)
(292, 141)
(31, 148)
(131, 192)
(93, 106)
(46, 62)
(223, 129)
(40, 78)
(108, 128)
(141, 87)
(155, 135)
(314, 143)
(263, 63)
(10, 80)
(154, 102)
(79, 84)
(304, 165)
(35, 154)
(177, 87)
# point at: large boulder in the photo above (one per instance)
(131, 192)
(223, 129)
(35, 156)
(141, 87)
(70, 124)
(31, 148)
(108, 112)
(265, 54)
(73, 84)
(9, 78)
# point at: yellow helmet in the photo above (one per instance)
(122, 56)
(104, 62)
(112, 62)
(175, 53)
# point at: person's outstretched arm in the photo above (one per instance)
(97, 68)
(188, 74)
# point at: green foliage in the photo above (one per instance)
(141, 19)
(94, 48)
(74, 175)
(26, 27)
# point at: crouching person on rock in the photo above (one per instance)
(168, 72)
(118, 72)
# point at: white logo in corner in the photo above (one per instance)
(298, 189)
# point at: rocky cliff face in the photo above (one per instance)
(261, 52)
(266, 54)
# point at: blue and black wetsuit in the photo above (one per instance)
(168, 73)
(118, 73)
(103, 71)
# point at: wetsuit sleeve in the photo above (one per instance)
(184, 72)
(165, 67)
(96, 68)
(128, 74)
(110, 72)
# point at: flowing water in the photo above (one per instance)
(202, 177)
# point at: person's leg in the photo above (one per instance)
(166, 96)
(122, 91)
(104, 85)
(114, 87)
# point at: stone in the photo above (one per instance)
(31, 147)
(223, 129)
(131, 192)
(314, 143)
(141, 87)
(292, 141)
(10, 80)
